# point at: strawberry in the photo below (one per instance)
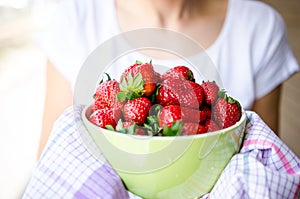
(105, 95)
(103, 118)
(211, 90)
(166, 96)
(117, 110)
(192, 115)
(137, 110)
(211, 126)
(180, 92)
(133, 85)
(207, 111)
(168, 115)
(193, 129)
(178, 72)
(227, 111)
(169, 119)
(197, 90)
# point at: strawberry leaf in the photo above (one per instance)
(222, 93)
(131, 129)
(131, 87)
(108, 78)
(123, 83)
(175, 129)
(231, 100)
(121, 96)
(149, 129)
(110, 127)
(129, 79)
(152, 125)
(138, 82)
(119, 127)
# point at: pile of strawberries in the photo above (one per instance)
(145, 102)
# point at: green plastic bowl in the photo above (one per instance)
(177, 167)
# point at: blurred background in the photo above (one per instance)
(22, 81)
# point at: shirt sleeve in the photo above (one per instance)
(277, 62)
(59, 41)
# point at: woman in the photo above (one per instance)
(245, 39)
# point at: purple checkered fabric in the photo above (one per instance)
(264, 168)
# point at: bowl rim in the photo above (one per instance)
(208, 134)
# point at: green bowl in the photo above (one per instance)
(177, 167)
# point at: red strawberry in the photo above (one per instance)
(144, 86)
(166, 96)
(227, 111)
(180, 92)
(117, 110)
(211, 126)
(211, 90)
(137, 110)
(103, 118)
(193, 129)
(169, 119)
(197, 90)
(168, 115)
(105, 95)
(192, 115)
(178, 72)
(207, 111)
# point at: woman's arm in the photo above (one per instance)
(58, 98)
(268, 108)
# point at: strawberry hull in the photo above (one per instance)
(149, 76)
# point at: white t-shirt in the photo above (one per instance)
(251, 53)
